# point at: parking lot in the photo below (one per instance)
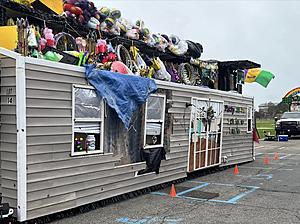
(260, 193)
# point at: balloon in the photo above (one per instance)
(67, 7)
(119, 67)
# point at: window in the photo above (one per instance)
(249, 119)
(155, 121)
(87, 120)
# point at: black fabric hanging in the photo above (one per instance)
(153, 158)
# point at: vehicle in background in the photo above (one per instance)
(289, 124)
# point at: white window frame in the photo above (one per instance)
(249, 116)
(155, 121)
(94, 120)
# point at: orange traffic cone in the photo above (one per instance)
(173, 191)
(276, 157)
(266, 160)
(236, 170)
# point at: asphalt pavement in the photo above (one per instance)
(260, 193)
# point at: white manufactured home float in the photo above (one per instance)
(48, 111)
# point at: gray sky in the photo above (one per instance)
(266, 32)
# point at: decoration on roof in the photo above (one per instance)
(78, 33)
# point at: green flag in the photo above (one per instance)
(264, 78)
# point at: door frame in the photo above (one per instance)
(190, 135)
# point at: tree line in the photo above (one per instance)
(274, 110)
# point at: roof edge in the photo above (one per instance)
(9, 53)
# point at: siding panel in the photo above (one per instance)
(8, 132)
(57, 181)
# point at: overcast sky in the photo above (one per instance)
(266, 32)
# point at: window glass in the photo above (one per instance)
(87, 103)
(154, 124)
(87, 127)
(153, 128)
(87, 122)
(249, 112)
(153, 133)
(249, 119)
(155, 107)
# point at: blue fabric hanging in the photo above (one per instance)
(124, 93)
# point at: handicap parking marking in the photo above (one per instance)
(283, 157)
(232, 200)
(148, 220)
(258, 176)
(262, 176)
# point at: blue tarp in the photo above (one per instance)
(124, 93)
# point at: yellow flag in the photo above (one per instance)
(251, 74)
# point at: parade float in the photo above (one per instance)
(94, 106)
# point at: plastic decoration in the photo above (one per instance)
(119, 67)
(32, 41)
(48, 34)
(81, 44)
(162, 72)
(177, 46)
(101, 46)
(133, 34)
(82, 11)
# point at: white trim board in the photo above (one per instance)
(21, 139)
(9, 53)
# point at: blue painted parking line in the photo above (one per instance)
(207, 200)
(132, 221)
(221, 184)
(233, 200)
(263, 176)
(192, 189)
(194, 181)
(148, 220)
(182, 192)
(238, 197)
(283, 157)
(159, 193)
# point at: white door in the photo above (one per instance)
(206, 127)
